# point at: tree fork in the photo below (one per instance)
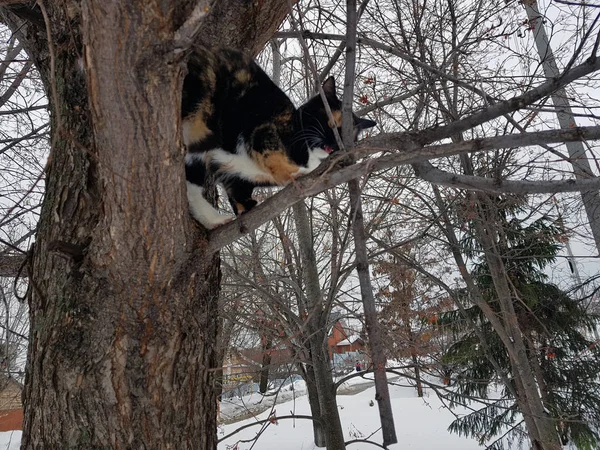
(123, 333)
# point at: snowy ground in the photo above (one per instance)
(10, 440)
(236, 409)
(421, 424)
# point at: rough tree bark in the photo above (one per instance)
(123, 296)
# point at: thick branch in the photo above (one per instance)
(271, 420)
(426, 171)
(222, 24)
(185, 35)
(328, 176)
(16, 13)
(504, 107)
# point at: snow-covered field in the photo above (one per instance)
(421, 424)
(10, 440)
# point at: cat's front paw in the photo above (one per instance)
(216, 222)
(203, 211)
(246, 206)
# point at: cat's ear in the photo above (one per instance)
(329, 87)
(363, 124)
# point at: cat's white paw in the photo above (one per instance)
(203, 211)
(222, 220)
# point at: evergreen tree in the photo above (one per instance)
(555, 326)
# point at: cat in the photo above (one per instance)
(238, 125)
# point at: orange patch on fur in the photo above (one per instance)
(197, 129)
(278, 165)
(337, 117)
(196, 123)
(240, 208)
(242, 76)
(283, 117)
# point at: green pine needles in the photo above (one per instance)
(558, 333)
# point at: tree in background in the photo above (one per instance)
(410, 305)
(556, 330)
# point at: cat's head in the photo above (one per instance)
(314, 138)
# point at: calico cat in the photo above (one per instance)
(239, 126)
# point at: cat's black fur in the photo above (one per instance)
(240, 126)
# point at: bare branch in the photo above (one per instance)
(328, 176)
(364, 441)
(34, 134)
(591, 65)
(387, 48)
(23, 110)
(271, 419)
(500, 108)
(185, 35)
(428, 172)
(16, 83)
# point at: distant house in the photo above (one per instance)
(11, 407)
(241, 368)
(244, 364)
(237, 368)
(342, 340)
(352, 343)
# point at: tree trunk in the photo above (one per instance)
(330, 415)
(540, 426)
(501, 324)
(382, 391)
(415, 360)
(316, 328)
(313, 401)
(417, 375)
(123, 339)
(123, 297)
(266, 363)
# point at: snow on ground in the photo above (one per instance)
(237, 408)
(10, 440)
(421, 424)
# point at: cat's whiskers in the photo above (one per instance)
(309, 135)
(307, 138)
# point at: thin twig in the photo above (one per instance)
(52, 65)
